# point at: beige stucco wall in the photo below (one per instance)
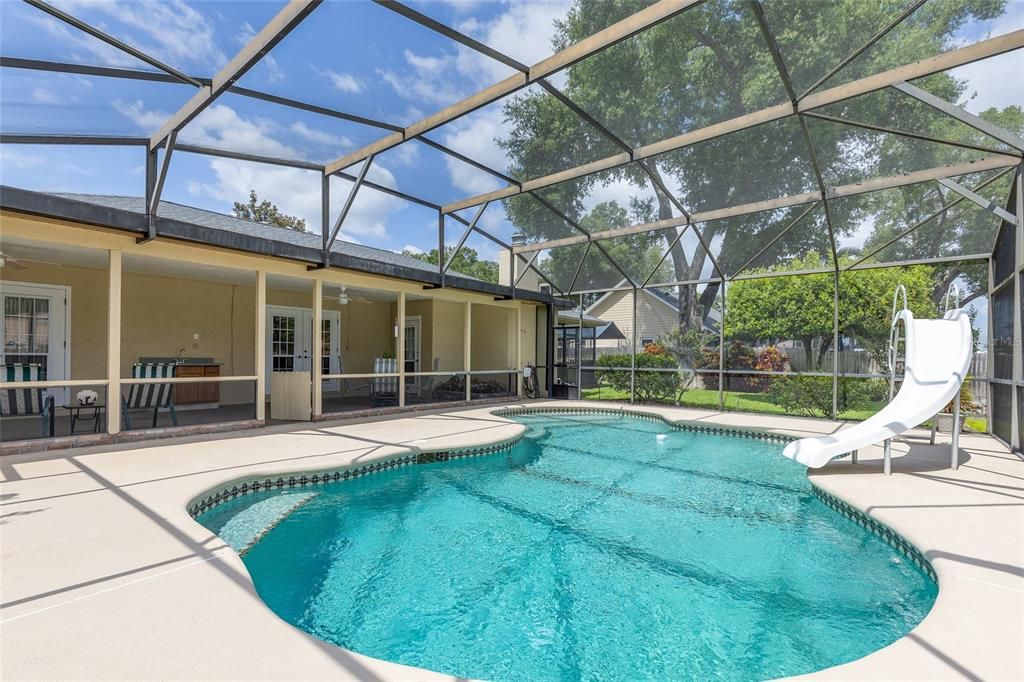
(653, 317)
(449, 335)
(493, 341)
(161, 313)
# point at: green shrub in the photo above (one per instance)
(811, 396)
(650, 386)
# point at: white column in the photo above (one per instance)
(318, 316)
(400, 348)
(467, 353)
(519, 350)
(114, 342)
(261, 345)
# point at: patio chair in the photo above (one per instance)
(16, 402)
(150, 396)
(385, 389)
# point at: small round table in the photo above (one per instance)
(76, 416)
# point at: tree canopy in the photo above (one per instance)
(466, 262)
(800, 307)
(267, 213)
(712, 63)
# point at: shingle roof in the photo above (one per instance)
(219, 221)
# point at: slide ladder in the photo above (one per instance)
(937, 358)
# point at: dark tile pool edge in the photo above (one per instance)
(887, 534)
(891, 537)
(680, 425)
(235, 489)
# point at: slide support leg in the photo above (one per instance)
(935, 426)
(853, 456)
(887, 457)
(954, 462)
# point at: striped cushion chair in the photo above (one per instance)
(16, 402)
(150, 396)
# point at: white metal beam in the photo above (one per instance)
(873, 185)
(962, 115)
(617, 32)
(976, 198)
(264, 41)
(942, 62)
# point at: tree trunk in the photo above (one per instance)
(691, 310)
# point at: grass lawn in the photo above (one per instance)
(734, 401)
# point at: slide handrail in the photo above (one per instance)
(953, 290)
(894, 335)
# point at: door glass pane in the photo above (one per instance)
(283, 343)
(26, 332)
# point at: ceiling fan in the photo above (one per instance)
(343, 297)
(8, 261)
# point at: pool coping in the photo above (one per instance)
(972, 631)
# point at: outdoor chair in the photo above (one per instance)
(16, 402)
(150, 396)
(385, 389)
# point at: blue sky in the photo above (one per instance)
(353, 56)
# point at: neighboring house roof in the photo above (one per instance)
(610, 332)
(176, 221)
(571, 318)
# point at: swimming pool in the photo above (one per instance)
(600, 547)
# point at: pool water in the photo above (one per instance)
(591, 550)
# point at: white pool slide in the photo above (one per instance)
(938, 356)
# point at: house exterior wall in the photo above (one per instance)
(448, 339)
(493, 340)
(653, 317)
(160, 313)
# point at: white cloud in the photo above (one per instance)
(345, 82)
(474, 136)
(20, 160)
(220, 126)
(319, 136)
(170, 30)
(411, 248)
(45, 96)
(136, 111)
(435, 80)
(295, 192)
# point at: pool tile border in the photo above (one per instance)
(887, 534)
(212, 499)
(694, 427)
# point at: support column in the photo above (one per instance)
(261, 345)
(400, 348)
(113, 341)
(467, 351)
(317, 349)
(632, 356)
(1018, 325)
(519, 350)
(579, 350)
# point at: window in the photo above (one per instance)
(646, 341)
(26, 330)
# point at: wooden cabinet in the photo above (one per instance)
(187, 394)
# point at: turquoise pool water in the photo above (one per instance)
(592, 550)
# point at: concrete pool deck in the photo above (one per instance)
(103, 574)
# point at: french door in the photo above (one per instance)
(413, 344)
(290, 342)
(35, 329)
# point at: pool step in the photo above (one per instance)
(248, 526)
